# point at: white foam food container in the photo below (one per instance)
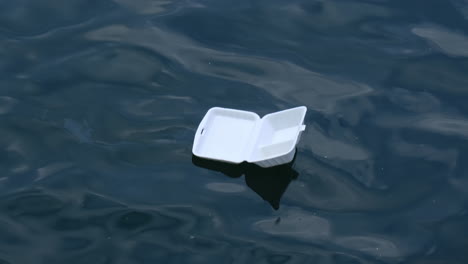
(236, 136)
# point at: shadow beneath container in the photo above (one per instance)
(268, 183)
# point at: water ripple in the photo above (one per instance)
(99, 103)
(451, 43)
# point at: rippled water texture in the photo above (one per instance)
(99, 102)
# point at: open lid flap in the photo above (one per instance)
(278, 133)
(291, 116)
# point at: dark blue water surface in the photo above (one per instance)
(99, 102)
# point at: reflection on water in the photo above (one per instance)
(452, 43)
(268, 183)
(99, 102)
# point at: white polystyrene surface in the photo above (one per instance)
(224, 134)
(236, 136)
(278, 134)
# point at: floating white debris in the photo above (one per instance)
(236, 136)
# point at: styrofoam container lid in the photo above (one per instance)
(236, 136)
